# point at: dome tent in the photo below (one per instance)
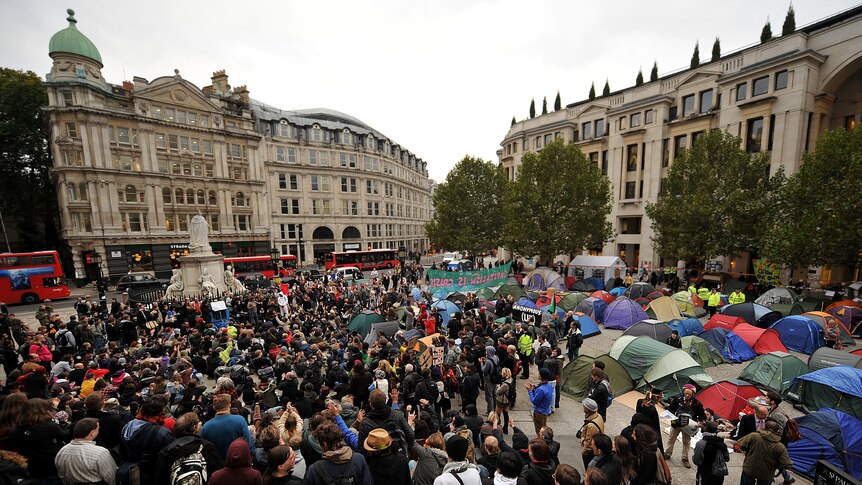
(362, 322)
(690, 305)
(576, 374)
(570, 301)
(506, 290)
(622, 314)
(583, 286)
(663, 308)
(717, 337)
(639, 290)
(834, 387)
(540, 279)
(776, 295)
(800, 334)
(686, 327)
(828, 435)
(822, 317)
(825, 357)
(656, 364)
(760, 340)
(702, 351)
(589, 327)
(775, 371)
(735, 349)
(603, 295)
(654, 329)
(757, 315)
(728, 397)
(726, 322)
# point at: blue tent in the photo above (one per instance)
(838, 387)
(799, 333)
(447, 308)
(599, 307)
(619, 290)
(597, 282)
(828, 435)
(416, 293)
(621, 314)
(686, 327)
(736, 350)
(716, 337)
(588, 325)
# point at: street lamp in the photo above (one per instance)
(101, 284)
(275, 257)
(402, 255)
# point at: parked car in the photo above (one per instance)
(350, 272)
(449, 257)
(140, 280)
(254, 281)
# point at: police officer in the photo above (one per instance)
(736, 297)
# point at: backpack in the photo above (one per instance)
(662, 472)
(343, 479)
(62, 340)
(791, 430)
(190, 470)
(399, 440)
(579, 339)
(495, 376)
(607, 384)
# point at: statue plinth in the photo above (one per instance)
(198, 263)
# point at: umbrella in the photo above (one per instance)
(447, 308)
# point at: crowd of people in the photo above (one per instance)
(286, 393)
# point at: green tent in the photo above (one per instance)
(576, 374)
(362, 323)
(484, 293)
(570, 301)
(702, 351)
(775, 371)
(655, 364)
(787, 309)
(514, 290)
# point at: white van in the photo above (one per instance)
(349, 272)
(449, 257)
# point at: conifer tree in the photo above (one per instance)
(640, 79)
(533, 108)
(695, 56)
(607, 89)
(558, 103)
(766, 33)
(653, 74)
(716, 50)
(592, 92)
(789, 26)
(513, 121)
(545, 105)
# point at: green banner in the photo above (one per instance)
(467, 280)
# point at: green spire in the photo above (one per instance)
(71, 41)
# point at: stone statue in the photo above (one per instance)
(175, 289)
(207, 283)
(231, 282)
(199, 234)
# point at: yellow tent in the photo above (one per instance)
(664, 309)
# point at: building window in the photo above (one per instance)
(741, 91)
(316, 133)
(679, 145)
(279, 154)
(131, 194)
(350, 207)
(630, 225)
(671, 113)
(649, 116)
(781, 79)
(850, 122)
(665, 152)
(635, 120)
(71, 129)
(687, 105)
(78, 192)
(73, 158)
(706, 100)
(67, 97)
(83, 221)
(372, 187)
(239, 200)
(134, 222)
(604, 162)
(241, 222)
(600, 128)
(621, 123)
(760, 86)
(170, 115)
(282, 181)
(208, 147)
(754, 135)
(320, 207)
(630, 190)
(312, 157)
(180, 196)
(214, 222)
(182, 222)
(526, 145)
(771, 132)
(549, 138)
(212, 200)
(631, 158)
(167, 195)
(587, 130)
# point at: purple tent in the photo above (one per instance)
(622, 313)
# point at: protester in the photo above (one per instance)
(82, 461)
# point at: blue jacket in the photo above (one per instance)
(542, 398)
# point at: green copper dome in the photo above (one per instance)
(71, 41)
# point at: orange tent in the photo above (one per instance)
(844, 303)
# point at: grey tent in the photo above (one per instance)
(384, 329)
(586, 306)
(825, 357)
(776, 295)
(576, 374)
(654, 329)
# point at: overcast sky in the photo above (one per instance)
(443, 78)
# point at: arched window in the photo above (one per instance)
(190, 196)
(350, 232)
(131, 193)
(213, 200)
(201, 197)
(239, 200)
(180, 196)
(323, 232)
(167, 195)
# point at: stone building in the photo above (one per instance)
(778, 97)
(134, 162)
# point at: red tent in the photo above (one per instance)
(727, 398)
(603, 295)
(545, 301)
(761, 340)
(726, 322)
(857, 352)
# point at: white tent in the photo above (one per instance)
(601, 267)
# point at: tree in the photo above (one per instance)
(714, 199)
(27, 193)
(513, 121)
(653, 74)
(695, 56)
(533, 108)
(639, 80)
(716, 50)
(789, 26)
(469, 207)
(558, 204)
(592, 91)
(606, 91)
(545, 105)
(558, 103)
(766, 33)
(815, 219)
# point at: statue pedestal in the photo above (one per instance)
(192, 267)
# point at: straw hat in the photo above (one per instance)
(377, 440)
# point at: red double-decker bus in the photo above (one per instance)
(374, 258)
(262, 264)
(31, 277)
